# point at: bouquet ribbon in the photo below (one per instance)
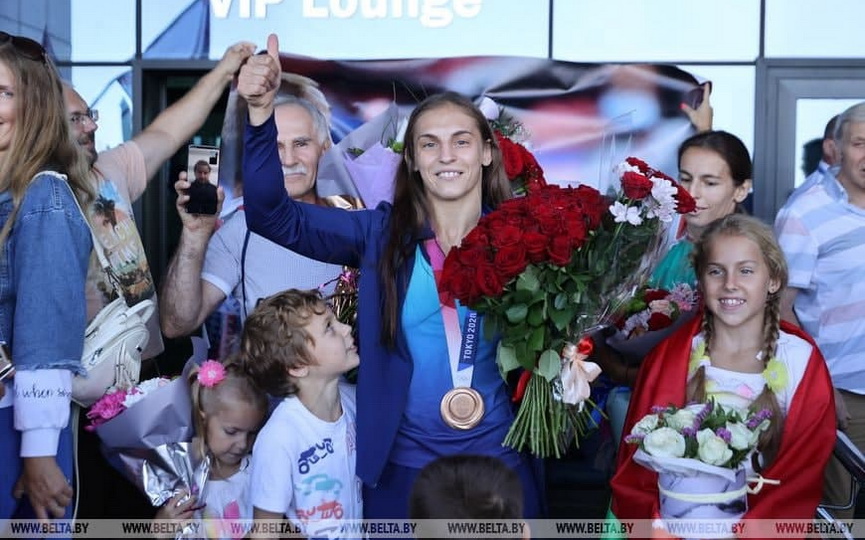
(711, 498)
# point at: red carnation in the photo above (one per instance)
(636, 186)
(638, 163)
(685, 204)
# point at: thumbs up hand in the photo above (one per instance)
(259, 80)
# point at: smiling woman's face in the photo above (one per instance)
(450, 153)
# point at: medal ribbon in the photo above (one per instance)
(462, 345)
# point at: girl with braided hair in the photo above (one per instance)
(740, 354)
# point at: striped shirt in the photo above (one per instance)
(823, 238)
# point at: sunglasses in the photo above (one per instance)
(26, 47)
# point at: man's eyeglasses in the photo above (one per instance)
(26, 47)
(90, 115)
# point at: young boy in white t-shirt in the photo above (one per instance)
(303, 461)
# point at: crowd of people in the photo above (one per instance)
(287, 436)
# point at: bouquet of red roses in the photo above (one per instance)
(545, 268)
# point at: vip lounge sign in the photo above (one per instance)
(429, 13)
(376, 29)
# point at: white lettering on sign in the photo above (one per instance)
(430, 13)
(221, 8)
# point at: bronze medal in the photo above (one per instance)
(462, 407)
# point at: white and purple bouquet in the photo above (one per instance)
(699, 453)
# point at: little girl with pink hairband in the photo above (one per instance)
(228, 410)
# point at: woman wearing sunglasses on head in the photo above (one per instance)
(44, 250)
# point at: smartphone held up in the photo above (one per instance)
(203, 175)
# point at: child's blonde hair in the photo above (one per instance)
(208, 400)
(275, 338)
(761, 234)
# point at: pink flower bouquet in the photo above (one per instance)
(146, 433)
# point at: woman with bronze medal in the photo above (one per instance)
(428, 384)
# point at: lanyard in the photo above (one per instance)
(462, 345)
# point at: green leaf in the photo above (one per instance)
(507, 359)
(561, 317)
(537, 313)
(517, 314)
(528, 281)
(561, 301)
(537, 339)
(549, 364)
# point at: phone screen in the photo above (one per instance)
(694, 97)
(203, 175)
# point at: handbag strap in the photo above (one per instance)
(97, 245)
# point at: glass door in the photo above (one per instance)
(794, 102)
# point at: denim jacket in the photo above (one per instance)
(43, 266)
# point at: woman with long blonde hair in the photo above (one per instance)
(46, 246)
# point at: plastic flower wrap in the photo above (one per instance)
(649, 317)
(372, 154)
(146, 433)
(545, 269)
(707, 432)
(699, 452)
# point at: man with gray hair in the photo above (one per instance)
(820, 231)
(209, 267)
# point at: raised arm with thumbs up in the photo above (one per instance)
(259, 80)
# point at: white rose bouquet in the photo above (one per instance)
(705, 431)
(699, 453)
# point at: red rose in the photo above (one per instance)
(576, 231)
(510, 261)
(658, 321)
(536, 245)
(511, 155)
(506, 235)
(459, 282)
(470, 257)
(560, 251)
(476, 237)
(636, 186)
(488, 281)
(685, 204)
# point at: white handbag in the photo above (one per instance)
(113, 344)
(113, 341)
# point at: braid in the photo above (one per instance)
(707, 327)
(770, 440)
(771, 325)
(696, 390)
